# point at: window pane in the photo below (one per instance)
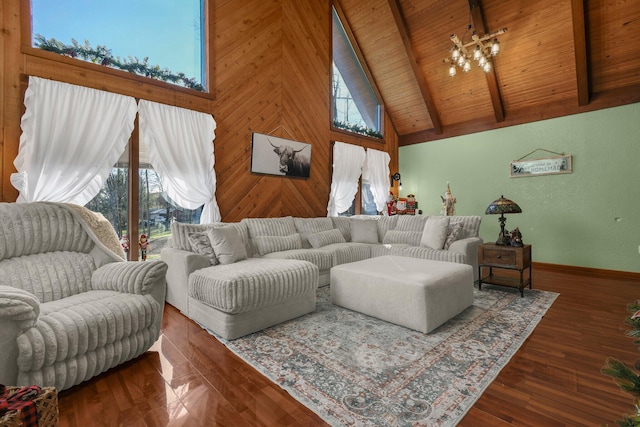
(355, 106)
(157, 212)
(368, 204)
(113, 200)
(169, 34)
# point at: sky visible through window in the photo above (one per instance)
(167, 31)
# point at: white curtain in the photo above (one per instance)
(348, 160)
(180, 144)
(377, 173)
(71, 138)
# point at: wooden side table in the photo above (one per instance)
(517, 258)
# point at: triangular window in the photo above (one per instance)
(356, 107)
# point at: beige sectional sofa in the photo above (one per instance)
(237, 278)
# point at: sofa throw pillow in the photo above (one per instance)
(307, 226)
(435, 232)
(453, 233)
(364, 230)
(268, 244)
(201, 245)
(324, 238)
(227, 245)
(411, 238)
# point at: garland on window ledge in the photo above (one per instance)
(103, 56)
(627, 379)
(362, 130)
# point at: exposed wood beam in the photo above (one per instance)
(580, 48)
(492, 80)
(420, 79)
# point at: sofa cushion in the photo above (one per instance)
(386, 223)
(283, 226)
(453, 233)
(306, 226)
(324, 238)
(75, 334)
(348, 252)
(343, 224)
(267, 244)
(471, 225)
(364, 231)
(435, 232)
(41, 227)
(227, 245)
(322, 259)
(202, 245)
(49, 276)
(408, 230)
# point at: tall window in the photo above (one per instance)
(164, 41)
(355, 105)
(156, 211)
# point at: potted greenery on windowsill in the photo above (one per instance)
(628, 379)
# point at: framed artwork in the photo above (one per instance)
(278, 156)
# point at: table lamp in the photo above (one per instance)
(502, 206)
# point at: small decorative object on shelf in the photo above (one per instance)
(502, 206)
(144, 245)
(516, 237)
(448, 203)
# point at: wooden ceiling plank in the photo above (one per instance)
(419, 76)
(492, 80)
(580, 48)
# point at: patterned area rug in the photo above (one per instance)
(355, 370)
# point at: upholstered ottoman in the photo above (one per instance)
(237, 299)
(415, 293)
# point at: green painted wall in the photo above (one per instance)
(589, 218)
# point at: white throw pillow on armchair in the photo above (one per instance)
(435, 232)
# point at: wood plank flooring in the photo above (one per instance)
(189, 379)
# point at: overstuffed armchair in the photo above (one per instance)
(70, 306)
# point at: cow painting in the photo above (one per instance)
(292, 162)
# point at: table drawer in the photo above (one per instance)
(499, 257)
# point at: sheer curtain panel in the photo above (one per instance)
(377, 165)
(348, 160)
(180, 143)
(71, 138)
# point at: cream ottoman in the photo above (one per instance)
(415, 293)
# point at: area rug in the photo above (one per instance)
(356, 370)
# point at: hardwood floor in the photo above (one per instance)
(190, 379)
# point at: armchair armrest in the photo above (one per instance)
(19, 311)
(130, 277)
(19, 306)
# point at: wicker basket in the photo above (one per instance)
(46, 406)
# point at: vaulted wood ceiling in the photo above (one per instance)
(558, 57)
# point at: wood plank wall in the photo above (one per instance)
(271, 73)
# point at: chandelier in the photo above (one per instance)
(480, 49)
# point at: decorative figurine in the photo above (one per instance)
(124, 242)
(448, 203)
(516, 237)
(144, 245)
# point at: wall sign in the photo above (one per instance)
(550, 166)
